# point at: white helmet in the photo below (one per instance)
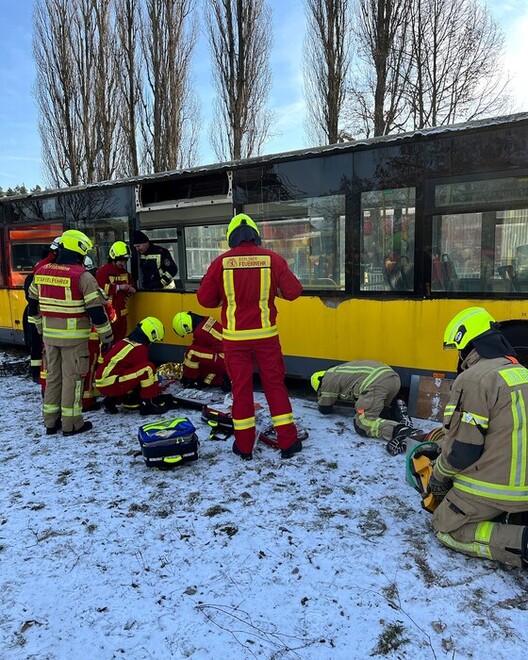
(88, 262)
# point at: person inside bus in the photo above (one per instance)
(372, 388)
(245, 281)
(156, 264)
(118, 284)
(203, 361)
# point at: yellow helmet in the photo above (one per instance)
(153, 328)
(316, 379)
(241, 220)
(55, 244)
(76, 241)
(119, 250)
(182, 324)
(466, 326)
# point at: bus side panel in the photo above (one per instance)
(316, 333)
(12, 306)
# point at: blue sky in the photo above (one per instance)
(19, 138)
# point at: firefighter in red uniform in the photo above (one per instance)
(203, 362)
(118, 284)
(245, 281)
(65, 302)
(126, 368)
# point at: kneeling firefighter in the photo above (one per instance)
(203, 361)
(126, 375)
(371, 387)
(479, 480)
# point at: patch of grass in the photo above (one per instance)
(391, 638)
(215, 510)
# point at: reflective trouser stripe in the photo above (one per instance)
(373, 425)
(242, 424)
(50, 408)
(480, 547)
(282, 420)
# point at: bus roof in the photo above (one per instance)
(348, 146)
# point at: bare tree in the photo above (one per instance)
(240, 42)
(55, 91)
(325, 67)
(457, 74)
(168, 39)
(129, 62)
(77, 89)
(382, 67)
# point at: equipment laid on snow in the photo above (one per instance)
(219, 418)
(269, 435)
(419, 467)
(193, 398)
(168, 443)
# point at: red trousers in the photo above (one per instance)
(240, 358)
(201, 363)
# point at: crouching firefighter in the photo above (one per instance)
(203, 360)
(371, 387)
(480, 479)
(126, 374)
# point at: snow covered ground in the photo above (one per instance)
(326, 555)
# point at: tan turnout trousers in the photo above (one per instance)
(67, 366)
(467, 526)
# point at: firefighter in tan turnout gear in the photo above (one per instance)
(371, 387)
(480, 478)
(64, 302)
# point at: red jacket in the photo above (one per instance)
(208, 334)
(109, 277)
(245, 281)
(124, 357)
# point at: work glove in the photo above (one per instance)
(398, 443)
(439, 488)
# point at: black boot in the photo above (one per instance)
(237, 452)
(291, 450)
(87, 426)
(156, 406)
(110, 404)
(132, 401)
(51, 430)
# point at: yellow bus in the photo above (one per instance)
(390, 236)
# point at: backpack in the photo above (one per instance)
(168, 443)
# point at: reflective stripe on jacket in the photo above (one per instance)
(59, 293)
(245, 281)
(347, 381)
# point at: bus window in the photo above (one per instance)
(105, 232)
(202, 245)
(480, 252)
(387, 240)
(310, 234)
(168, 238)
(27, 246)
